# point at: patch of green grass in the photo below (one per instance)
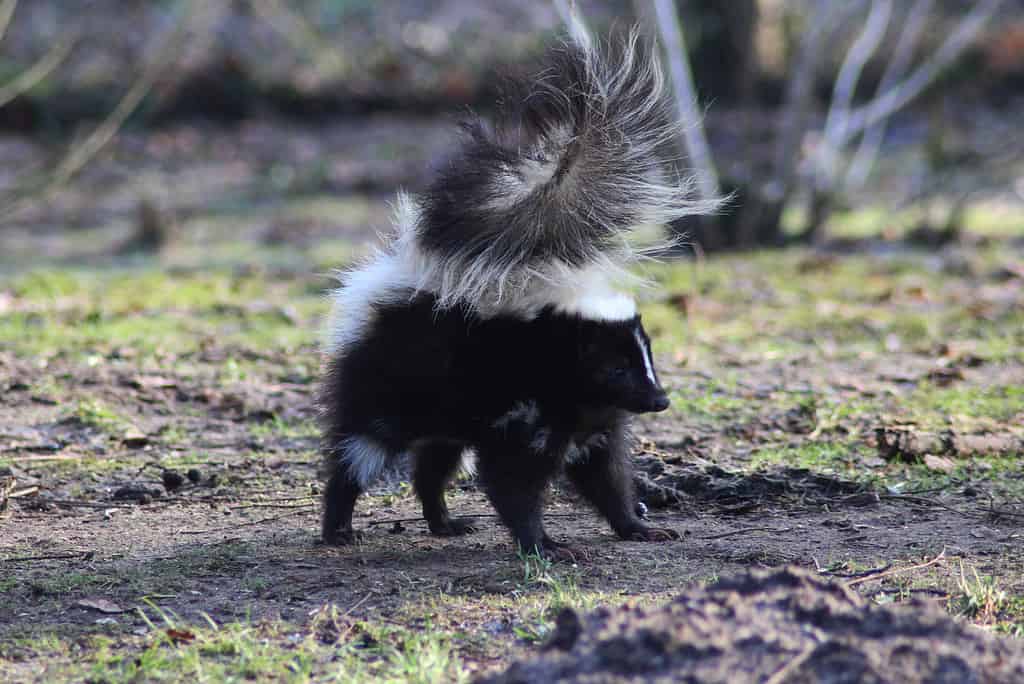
(62, 583)
(936, 405)
(279, 427)
(149, 308)
(980, 599)
(46, 285)
(544, 590)
(232, 652)
(714, 401)
(839, 458)
(93, 413)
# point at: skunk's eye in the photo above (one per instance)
(619, 371)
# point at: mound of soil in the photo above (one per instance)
(771, 626)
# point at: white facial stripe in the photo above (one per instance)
(645, 353)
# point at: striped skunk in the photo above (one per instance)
(490, 324)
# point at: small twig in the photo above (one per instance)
(733, 533)
(925, 501)
(920, 590)
(898, 571)
(45, 457)
(7, 8)
(53, 556)
(854, 575)
(29, 78)
(23, 492)
(307, 504)
(790, 667)
(71, 503)
(245, 524)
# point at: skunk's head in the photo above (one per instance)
(616, 366)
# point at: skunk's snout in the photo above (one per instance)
(654, 400)
(660, 402)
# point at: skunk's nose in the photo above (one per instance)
(660, 403)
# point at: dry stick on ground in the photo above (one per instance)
(54, 556)
(745, 530)
(308, 504)
(782, 674)
(28, 491)
(897, 571)
(230, 528)
(71, 503)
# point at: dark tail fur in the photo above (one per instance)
(556, 182)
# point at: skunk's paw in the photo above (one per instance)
(560, 552)
(453, 527)
(342, 537)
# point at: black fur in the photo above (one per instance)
(529, 396)
(573, 160)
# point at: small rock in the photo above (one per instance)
(101, 604)
(940, 463)
(133, 438)
(172, 480)
(143, 495)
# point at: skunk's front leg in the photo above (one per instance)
(516, 463)
(604, 476)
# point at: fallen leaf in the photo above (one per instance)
(101, 604)
(944, 376)
(179, 636)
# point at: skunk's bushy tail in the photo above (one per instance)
(572, 162)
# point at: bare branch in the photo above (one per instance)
(7, 8)
(904, 92)
(570, 16)
(300, 33)
(846, 83)
(793, 120)
(80, 155)
(867, 151)
(28, 79)
(698, 151)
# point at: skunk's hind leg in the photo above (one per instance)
(353, 465)
(602, 473)
(435, 464)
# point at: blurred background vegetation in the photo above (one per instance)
(128, 125)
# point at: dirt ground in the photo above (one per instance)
(772, 626)
(199, 497)
(856, 413)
